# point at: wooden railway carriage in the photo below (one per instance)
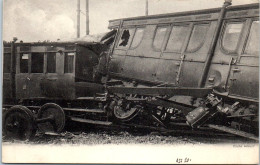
(50, 70)
(199, 67)
(183, 55)
(44, 76)
(173, 49)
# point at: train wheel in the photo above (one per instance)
(19, 123)
(51, 118)
(126, 113)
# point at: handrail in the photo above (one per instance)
(213, 44)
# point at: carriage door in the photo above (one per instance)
(194, 55)
(36, 71)
(7, 89)
(22, 76)
(244, 74)
(30, 72)
(174, 51)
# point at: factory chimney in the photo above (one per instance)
(78, 19)
(146, 7)
(87, 17)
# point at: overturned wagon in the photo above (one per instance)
(191, 69)
(199, 66)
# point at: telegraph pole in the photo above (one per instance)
(146, 7)
(78, 19)
(87, 17)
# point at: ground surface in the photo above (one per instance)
(91, 135)
(90, 144)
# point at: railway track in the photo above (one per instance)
(137, 134)
(76, 133)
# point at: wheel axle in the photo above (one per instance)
(47, 119)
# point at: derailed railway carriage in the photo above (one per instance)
(45, 70)
(195, 69)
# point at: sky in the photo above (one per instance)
(39, 20)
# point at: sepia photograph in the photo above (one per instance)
(130, 81)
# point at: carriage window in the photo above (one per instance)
(51, 62)
(231, 36)
(69, 61)
(37, 62)
(159, 37)
(177, 38)
(126, 37)
(7, 62)
(252, 46)
(138, 37)
(197, 37)
(24, 63)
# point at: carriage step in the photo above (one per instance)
(101, 94)
(85, 110)
(90, 121)
(234, 131)
(52, 133)
(114, 82)
(97, 98)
